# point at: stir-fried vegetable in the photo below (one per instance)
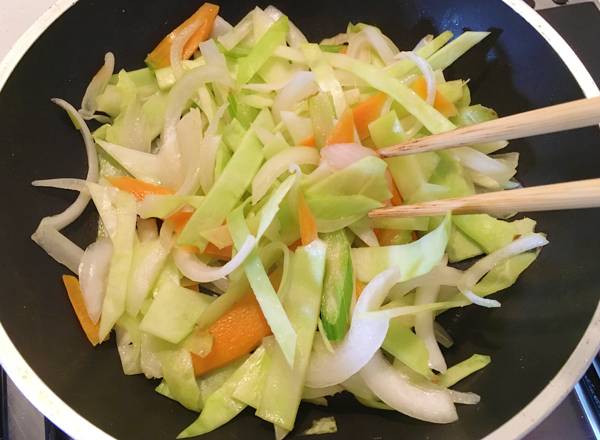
(235, 259)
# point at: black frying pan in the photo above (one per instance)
(530, 338)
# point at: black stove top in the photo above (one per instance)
(578, 416)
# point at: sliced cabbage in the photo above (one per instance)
(411, 259)
(458, 372)
(115, 297)
(179, 377)
(302, 303)
(394, 388)
(263, 290)
(226, 192)
(174, 312)
(220, 407)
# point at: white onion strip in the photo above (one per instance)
(69, 215)
(484, 265)
(47, 234)
(277, 165)
(177, 45)
(301, 86)
(365, 336)
(96, 87)
(425, 69)
(395, 389)
(93, 273)
(183, 90)
(198, 271)
(424, 327)
(464, 398)
(339, 156)
(66, 183)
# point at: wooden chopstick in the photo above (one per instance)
(570, 195)
(574, 114)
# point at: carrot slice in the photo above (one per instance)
(223, 254)
(292, 247)
(206, 14)
(138, 188)
(308, 224)
(396, 197)
(366, 112)
(309, 142)
(239, 331)
(440, 103)
(359, 286)
(75, 296)
(343, 132)
(179, 219)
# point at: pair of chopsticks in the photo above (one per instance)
(570, 195)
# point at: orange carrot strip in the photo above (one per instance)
(206, 14)
(440, 103)
(308, 224)
(179, 219)
(138, 188)
(236, 333)
(343, 132)
(396, 197)
(75, 296)
(212, 251)
(309, 142)
(366, 112)
(292, 247)
(358, 287)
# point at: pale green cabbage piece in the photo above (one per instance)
(412, 259)
(302, 303)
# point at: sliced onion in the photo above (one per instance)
(425, 69)
(277, 165)
(97, 86)
(477, 161)
(366, 234)
(464, 398)
(240, 31)
(265, 88)
(183, 91)
(220, 27)
(93, 272)
(176, 52)
(484, 265)
(294, 37)
(339, 156)
(212, 55)
(424, 327)
(198, 271)
(363, 339)
(66, 183)
(440, 275)
(478, 300)
(72, 213)
(290, 54)
(47, 234)
(382, 45)
(300, 86)
(395, 389)
(59, 247)
(147, 229)
(423, 41)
